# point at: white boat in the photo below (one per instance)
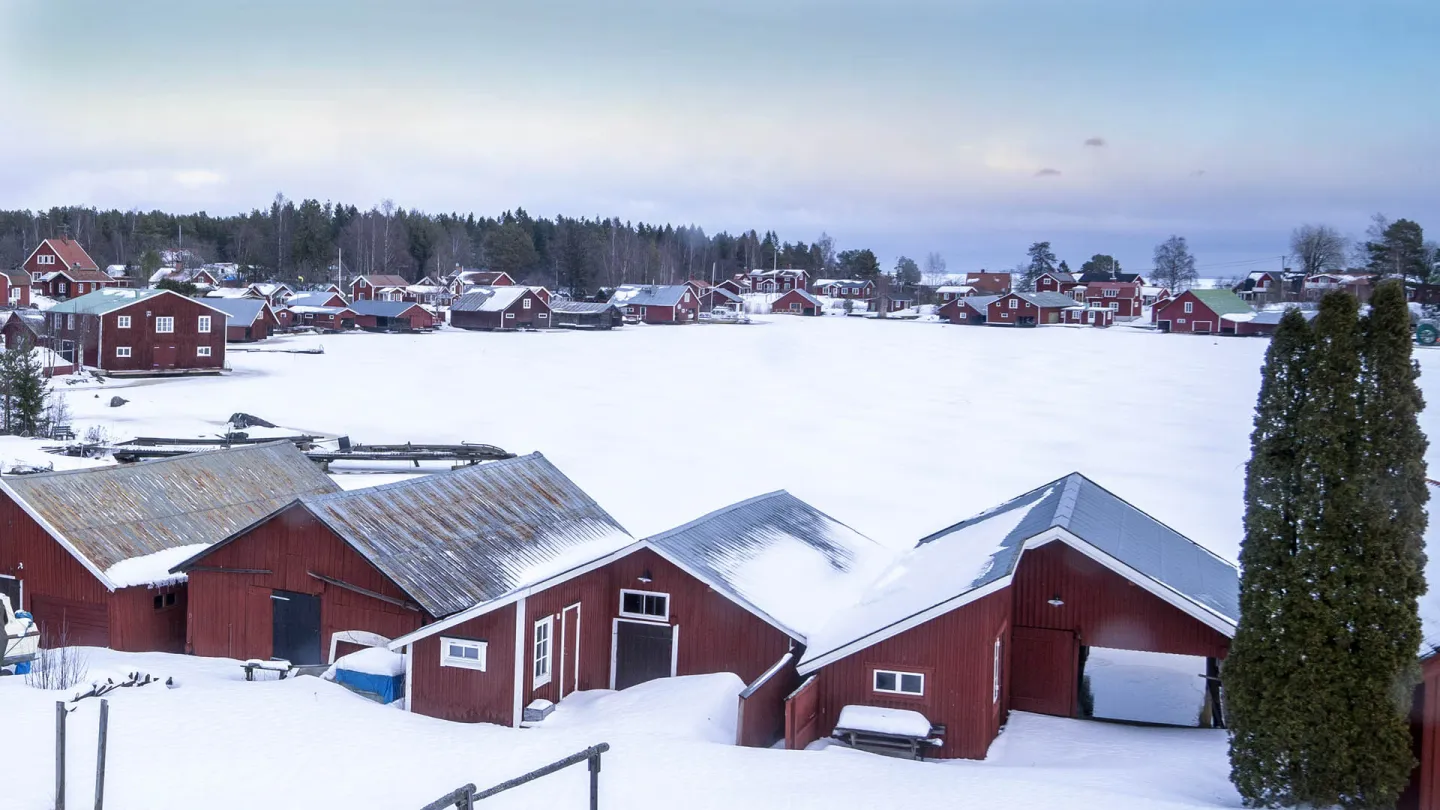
(22, 636)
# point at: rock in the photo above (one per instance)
(116, 402)
(240, 421)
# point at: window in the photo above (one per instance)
(164, 325)
(202, 351)
(509, 314)
(1189, 307)
(1115, 305)
(69, 320)
(541, 670)
(1004, 314)
(645, 605)
(45, 258)
(122, 351)
(525, 304)
(463, 653)
(995, 685)
(204, 324)
(794, 307)
(1112, 293)
(163, 601)
(899, 683)
(1014, 303)
(123, 322)
(60, 288)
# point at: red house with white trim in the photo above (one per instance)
(797, 302)
(1056, 281)
(658, 303)
(138, 332)
(1198, 312)
(60, 268)
(15, 287)
(1067, 566)
(1027, 309)
(378, 287)
(1122, 296)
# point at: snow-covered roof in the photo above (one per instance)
(488, 299)
(780, 556)
(958, 289)
(1048, 300)
(229, 292)
(957, 565)
(654, 295)
(240, 311)
(382, 309)
(109, 299)
(312, 299)
(306, 310)
(106, 515)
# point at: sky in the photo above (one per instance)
(967, 127)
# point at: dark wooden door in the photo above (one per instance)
(642, 652)
(11, 588)
(296, 627)
(165, 356)
(1043, 671)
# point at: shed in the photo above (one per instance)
(970, 310)
(1264, 324)
(797, 302)
(88, 552)
(247, 319)
(391, 316)
(1027, 309)
(584, 315)
(500, 308)
(658, 303)
(1199, 312)
(995, 613)
(326, 319)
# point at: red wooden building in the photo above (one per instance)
(246, 319)
(60, 268)
(797, 302)
(15, 287)
(325, 319)
(99, 575)
(387, 560)
(460, 281)
(138, 332)
(392, 316)
(679, 603)
(967, 310)
(853, 289)
(1057, 282)
(1259, 324)
(372, 287)
(1075, 567)
(1198, 312)
(1089, 316)
(652, 303)
(327, 298)
(718, 296)
(1027, 309)
(500, 308)
(987, 283)
(1122, 296)
(22, 326)
(739, 285)
(778, 281)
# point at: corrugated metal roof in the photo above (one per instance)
(488, 299)
(110, 514)
(662, 295)
(1049, 299)
(381, 309)
(780, 555)
(812, 300)
(383, 280)
(1222, 302)
(454, 540)
(580, 307)
(107, 299)
(241, 311)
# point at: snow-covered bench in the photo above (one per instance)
(274, 665)
(898, 732)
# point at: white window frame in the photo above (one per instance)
(995, 686)
(164, 325)
(60, 288)
(1189, 307)
(122, 351)
(122, 322)
(202, 351)
(899, 682)
(1115, 305)
(45, 258)
(542, 657)
(460, 662)
(1014, 303)
(525, 304)
(1112, 293)
(509, 314)
(70, 320)
(203, 326)
(649, 617)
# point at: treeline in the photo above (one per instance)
(303, 241)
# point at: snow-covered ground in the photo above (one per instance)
(895, 428)
(220, 742)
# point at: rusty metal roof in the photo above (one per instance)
(453, 540)
(106, 515)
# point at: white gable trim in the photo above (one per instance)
(1195, 610)
(57, 536)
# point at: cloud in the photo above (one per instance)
(1097, 141)
(1198, 173)
(1048, 173)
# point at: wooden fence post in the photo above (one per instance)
(595, 781)
(100, 754)
(60, 755)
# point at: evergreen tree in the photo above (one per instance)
(1100, 263)
(22, 387)
(1400, 251)
(907, 271)
(860, 264)
(1262, 715)
(1042, 261)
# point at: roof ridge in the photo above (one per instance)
(721, 511)
(421, 479)
(1158, 522)
(988, 512)
(147, 464)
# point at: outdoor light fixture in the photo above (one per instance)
(645, 576)
(1056, 601)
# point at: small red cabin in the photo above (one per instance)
(500, 308)
(651, 303)
(1198, 312)
(1056, 281)
(368, 288)
(797, 302)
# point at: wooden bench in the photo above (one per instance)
(879, 731)
(278, 665)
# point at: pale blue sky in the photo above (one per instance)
(907, 126)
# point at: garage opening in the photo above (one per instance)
(1147, 687)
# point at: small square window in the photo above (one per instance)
(462, 653)
(1189, 307)
(645, 605)
(202, 351)
(122, 351)
(204, 324)
(525, 304)
(123, 322)
(899, 683)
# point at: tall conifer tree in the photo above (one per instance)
(1264, 751)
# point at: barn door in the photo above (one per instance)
(165, 356)
(802, 715)
(569, 649)
(1044, 667)
(296, 627)
(643, 652)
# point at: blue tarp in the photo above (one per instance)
(389, 688)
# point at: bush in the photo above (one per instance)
(59, 667)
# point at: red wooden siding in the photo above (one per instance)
(802, 715)
(1044, 671)
(956, 653)
(137, 625)
(55, 587)
(1424, 791)
(793, 303)
(148, 350)
(468, 695)
(1172, 313)
(763, 712)
(231, 614)
(1104, 608)
(516, 316)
